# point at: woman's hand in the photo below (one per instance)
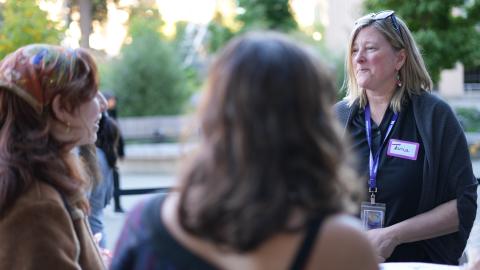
(439, 221)
(106, 256)
(105, 253)
(383, 241)
(473, 255)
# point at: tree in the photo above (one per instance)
(219, 34)
(446, 31)
(147, 78)
(267, 14)
(23, 22)
(90, 10)
(254, 14)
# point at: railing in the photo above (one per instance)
(156, 164)
(154, 128)
(471, 87)
(117, 192)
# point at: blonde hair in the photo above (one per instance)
(413, 74)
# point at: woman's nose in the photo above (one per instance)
(359, 56)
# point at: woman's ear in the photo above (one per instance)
(60, 112)
(401, 57)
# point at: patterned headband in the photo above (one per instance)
(35, 72)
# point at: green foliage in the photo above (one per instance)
(23, 22)
(335, 63)
(180, 33)
(100, 9)
(446, 31)
(219, 34)
(192, 79)
(256, 14)
(266, 14)
(469, 118)
(340, 77)
(144, 20)
(147, 77)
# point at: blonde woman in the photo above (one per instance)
(411, 148)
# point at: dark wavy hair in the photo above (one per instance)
(270, 146)
(28, 150)
(107, 138)
(108, 135)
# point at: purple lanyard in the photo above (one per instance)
(374, 160)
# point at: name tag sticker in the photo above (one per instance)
(403, 149)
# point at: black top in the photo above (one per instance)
(145, 243)
(399, 180)
(447, 170)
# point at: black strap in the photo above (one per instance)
(151, 215)
(168, 248)
(306, 248)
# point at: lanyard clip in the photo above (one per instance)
(372, 192)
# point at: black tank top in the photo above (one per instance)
(177, 253)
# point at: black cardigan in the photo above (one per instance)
(447, 171)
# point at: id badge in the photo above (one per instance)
(372, 215)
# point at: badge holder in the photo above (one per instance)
(372, 214)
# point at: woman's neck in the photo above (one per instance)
(378, 103)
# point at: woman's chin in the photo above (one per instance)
(362, 85)
(89, 140)
(93, 139)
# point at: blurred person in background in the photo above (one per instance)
(102, 191)
(112, 112)
(49, 105)
(269, 187)
(410, 145)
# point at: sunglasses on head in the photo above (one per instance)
(382, 15)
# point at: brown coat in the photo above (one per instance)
(39, 233)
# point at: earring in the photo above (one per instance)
(68, 128)
(399, 82)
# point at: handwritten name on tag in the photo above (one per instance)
(403, 149)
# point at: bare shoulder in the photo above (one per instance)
(343, 245)
(343, 230)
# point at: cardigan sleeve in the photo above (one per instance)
(450, 176)
(342, 111)
(38, 235)
(461, 183)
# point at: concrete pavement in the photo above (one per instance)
(137, 173)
